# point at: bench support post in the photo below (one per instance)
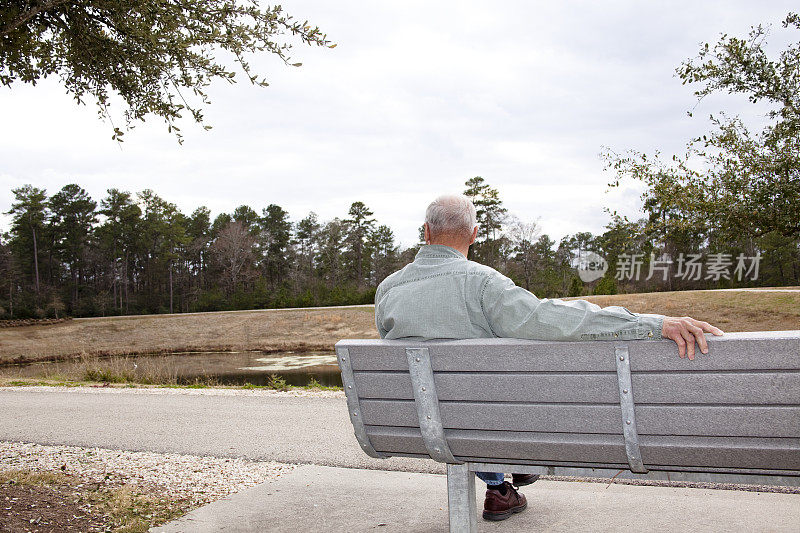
(626, 404)
(461, 499)
(420, 370)
(353, 407)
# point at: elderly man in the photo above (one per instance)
(442, 295)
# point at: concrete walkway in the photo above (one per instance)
(331, 499)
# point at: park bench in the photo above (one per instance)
(594, 408)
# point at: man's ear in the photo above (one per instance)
(427, 234)
(474, 235)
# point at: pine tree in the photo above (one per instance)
(490, 216)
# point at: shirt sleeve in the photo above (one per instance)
(378, 322)
(515, 312)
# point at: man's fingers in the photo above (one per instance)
(701, 338)
(689, 338)
(705, 326)
(686, 332)
(681, 344)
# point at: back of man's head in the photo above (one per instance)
(451, 217)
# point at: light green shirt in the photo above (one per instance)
(442, 295)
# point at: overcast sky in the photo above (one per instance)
(416, 98)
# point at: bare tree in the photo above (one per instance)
(233, 252)
(523, 237)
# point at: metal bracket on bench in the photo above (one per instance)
(626, 403)
(427, 402)
(349, 382)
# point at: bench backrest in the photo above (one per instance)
(632, 404)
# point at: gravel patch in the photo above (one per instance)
(197, 479)
(304, 393)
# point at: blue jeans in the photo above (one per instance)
(491, 478)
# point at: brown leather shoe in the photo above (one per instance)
(520, 480)
(498, 506)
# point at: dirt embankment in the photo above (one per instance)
(269, 330)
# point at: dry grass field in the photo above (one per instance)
(319, 329)
(749, 310)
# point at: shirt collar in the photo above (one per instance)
(438, 251)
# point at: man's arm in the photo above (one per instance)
(514, 312)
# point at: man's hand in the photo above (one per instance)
(685, 330)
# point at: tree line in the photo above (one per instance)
(131, 254)
(67, 254)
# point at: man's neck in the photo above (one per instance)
(464, 249)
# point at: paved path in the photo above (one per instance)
(316, 498)
(251, 424)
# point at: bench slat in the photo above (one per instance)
(735, 388)
(734, 351)
(739, 421)
(658, 452)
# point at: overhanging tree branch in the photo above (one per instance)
(23, 18)
(151, 53)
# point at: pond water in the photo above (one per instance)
(225, 368)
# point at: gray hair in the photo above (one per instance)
(451, 214)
